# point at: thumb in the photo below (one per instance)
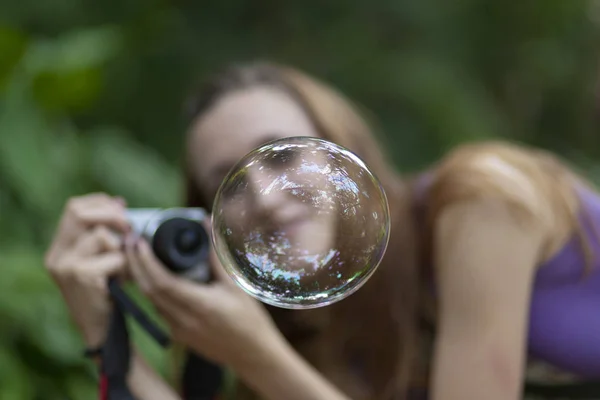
(106, 264)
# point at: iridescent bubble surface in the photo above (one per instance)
(300, 223)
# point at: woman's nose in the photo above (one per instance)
(266, 190)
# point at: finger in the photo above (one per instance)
(97, 240)
(94, 211)
(180, 324)
(165, 313)
(82, 212)
(94, 271)
(171, 295)
(135, 269)
(181, 292)
(103, 265)
(155, 271)
(90, 243)
(121, 201)
(172, 313)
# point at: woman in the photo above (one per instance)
(491, 264)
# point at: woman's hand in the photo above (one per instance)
(217, 320)
(85, 252)
(224, 324)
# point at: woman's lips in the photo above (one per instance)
(290, 224)
(292, 227)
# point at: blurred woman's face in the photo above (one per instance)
(240, 122)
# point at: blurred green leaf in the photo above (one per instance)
(13, 44)
(75, 50)
(81, 387)
(436, 91)
(26, 156)
(149, 180)
(71, 90)
(34, 302)
(14, 382)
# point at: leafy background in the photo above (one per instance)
(91, 93)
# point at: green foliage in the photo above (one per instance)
(90, 96)
(45, 158)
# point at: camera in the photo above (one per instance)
(178, 238)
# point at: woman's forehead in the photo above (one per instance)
(241, 122)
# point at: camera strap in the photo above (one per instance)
(116, 356)
(202, 380)
(116, 352)
(587, 390)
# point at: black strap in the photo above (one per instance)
(587, 390)
(202, 380)
(126, 305)
(92, 352)
(116, 357)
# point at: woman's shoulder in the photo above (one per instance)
(534, 184)
(500, 161)
(527, 178)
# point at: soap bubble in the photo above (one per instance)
(300, 223)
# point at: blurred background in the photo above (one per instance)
(91, 95)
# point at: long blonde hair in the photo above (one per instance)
(460, 175)
(375, 328)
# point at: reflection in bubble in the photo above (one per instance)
(300, 223)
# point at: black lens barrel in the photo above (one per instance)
(181, 243)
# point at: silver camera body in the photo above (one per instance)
(178, 238)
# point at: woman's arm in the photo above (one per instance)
(227, 326)
(485, 261)
(147, 384)
(284, 374)
(144, 383)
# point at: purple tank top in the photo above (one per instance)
(564, 321)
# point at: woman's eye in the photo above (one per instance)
(282, 158)
(236, 187)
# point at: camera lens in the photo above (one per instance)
(187, 241)
(181, 243)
